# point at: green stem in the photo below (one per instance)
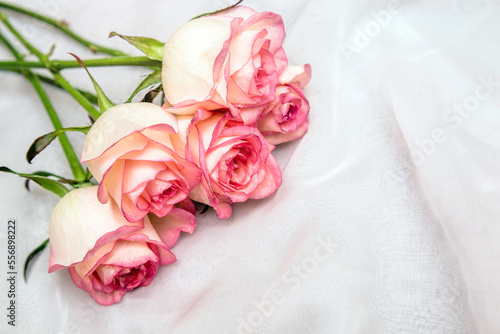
(31, 48)
(48, 64)
(62, 26)
(62, 64)
(73, 160)
(89, 96)
(59, 79)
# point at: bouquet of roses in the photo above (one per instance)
(228, 97)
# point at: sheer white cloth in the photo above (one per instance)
(388, 218)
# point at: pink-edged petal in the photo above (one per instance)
(272, 23)
(107, 299)
(223, 210)
(296, 75)
(199, 194)
(206, 123)
(188, 58)
(150, 152)
(190, 172)
(120, 121)
(281, 60)
(189, 107)
(187, 205)
(160, 135)
(170, 226)
(83, 283)
(130, 210)
(139, 172)
(279, 138)
(72, 240)
(86, 267)
(242, 50)
(251, 115)
(112, 177)
(130, 254)
(107, 273)
(271, 182)
(99, 166)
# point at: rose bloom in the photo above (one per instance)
(106, 255)
(130, 151)
(229, 60)
(235, 159)
(286, 117)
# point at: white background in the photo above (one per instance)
(388, 218)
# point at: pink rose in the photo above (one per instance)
(286, 117)
(106, 255)
(235, 159)
(231, 60)
(130, 150)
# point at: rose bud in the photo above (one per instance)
(230, 60)
(130, 150)
(286, 117)
(106, 255)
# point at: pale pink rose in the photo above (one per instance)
(235, 159)
(231, 60)
(286, 117)
(130, 150)
(106, 255)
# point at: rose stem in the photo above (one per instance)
(62, 64)
(89, 96)
(58, 78)
(73, 161)
(63, 28)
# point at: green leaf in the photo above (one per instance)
(32, 255)
(42, 173)
(152, 79)
(45, 182)
(43, 141)
(151, 47)
(40, 144)
(102, 100)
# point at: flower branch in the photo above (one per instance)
(63, 27)
(63, 64)
(89, 96)
(73, 160)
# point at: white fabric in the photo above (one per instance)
(387, 220)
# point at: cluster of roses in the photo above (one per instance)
(231, 98)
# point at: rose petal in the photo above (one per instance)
(121, 121)
(71, 239)
(170, 226)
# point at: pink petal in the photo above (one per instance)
(170, 226)
(278, 138)
(129, 254)
(120, 121)
(271, 182)
(70, 221)
(296, 75)
(107, 299)
(271, 22)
